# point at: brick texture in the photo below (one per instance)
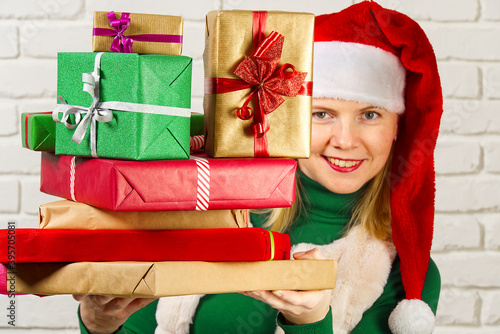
(491, 10)
(71, 37)
(459, 79)
(456, 232)
(464, 194)
(456, 307)
(8, 119)
(491, 81)
(40, 10)
(473, 269)
(457, 157)
(9, 40)
(471, 117)
(443, 10)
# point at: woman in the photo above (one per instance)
(367, 187)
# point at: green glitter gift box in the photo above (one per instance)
(38, 131)
(123, 106)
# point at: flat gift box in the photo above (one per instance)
(229, 44)
(149, 97)
(199, 183)
(79, 216)
(226, 244)
(162, 279)
(147, 33)
(38, 131)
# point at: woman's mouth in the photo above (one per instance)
(343, 166)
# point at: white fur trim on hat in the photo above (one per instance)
(412, 316)
(359, 72)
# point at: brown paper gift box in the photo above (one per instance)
(141, 24)
(79, 216)
(160, 279)
(228, 41)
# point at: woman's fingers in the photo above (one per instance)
(286, 299)
(297, 306)
(106, 314)
(269, 298)
(139, 303)
(79, 298)
(110, 304)
(307, 299)
(312, 254)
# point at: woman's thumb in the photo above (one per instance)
(312, 254)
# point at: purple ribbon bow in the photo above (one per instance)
(120, 43)
(123, 43)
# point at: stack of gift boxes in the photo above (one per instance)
(147, 213)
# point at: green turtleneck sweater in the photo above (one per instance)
(322, 220)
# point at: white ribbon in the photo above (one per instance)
(102, 111)
(203, 185)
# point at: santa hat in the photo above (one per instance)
(370, 54)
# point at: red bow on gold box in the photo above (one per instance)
(265, 79)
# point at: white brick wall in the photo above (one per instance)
(465, 35)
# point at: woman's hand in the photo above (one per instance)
(104, 315)
(298, 307)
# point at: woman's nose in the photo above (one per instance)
(344, 135)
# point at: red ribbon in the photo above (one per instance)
(123, 43)
(268, 82)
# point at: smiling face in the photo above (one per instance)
(350, 143)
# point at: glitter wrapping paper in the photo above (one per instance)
(223, 244)
(228, 42)
(245, 183)
(142, 24)
(158, 80)
(38, 131)
(79, 216)
(174, 278)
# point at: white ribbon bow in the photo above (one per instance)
(101, 111)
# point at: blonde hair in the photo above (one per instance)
(372, 211)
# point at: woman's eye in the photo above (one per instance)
(371, 115)
(320, 114)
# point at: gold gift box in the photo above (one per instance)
(78, 216)
(228, 40)
(172, 278)
(141, 24)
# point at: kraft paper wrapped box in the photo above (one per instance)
(79, 216)
(198, 183)
(138, 33)
(38, 131)
(220, 244)
(247, 78)
(139, 106)
(172, 278)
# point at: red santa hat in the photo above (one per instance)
(370, 54)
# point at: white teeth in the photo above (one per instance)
(343, 163)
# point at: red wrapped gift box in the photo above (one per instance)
(249, 244)
(198, 183)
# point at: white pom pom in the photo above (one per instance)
(412, 316)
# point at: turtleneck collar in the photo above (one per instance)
(319, 201)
